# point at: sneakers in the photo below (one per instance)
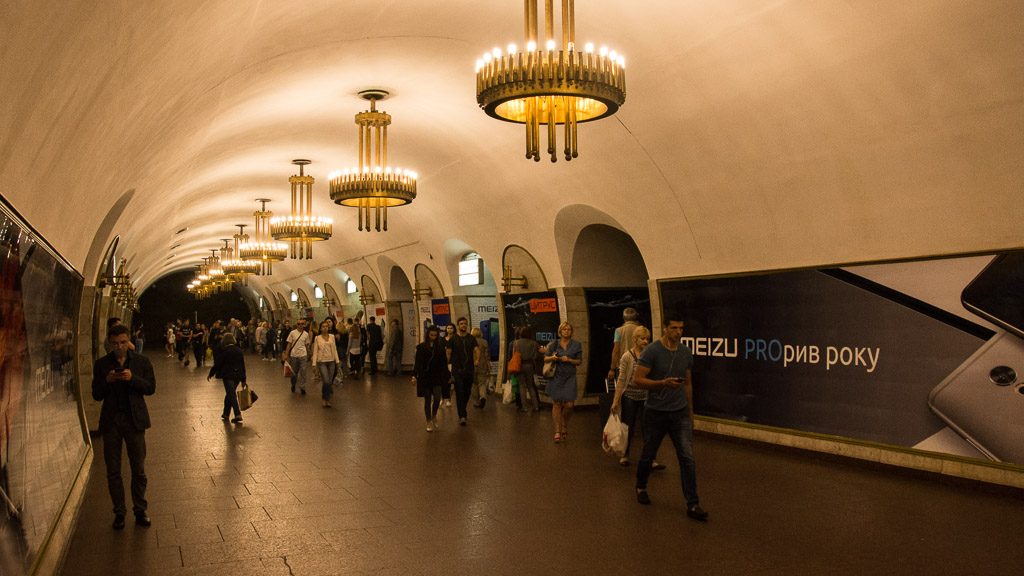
(697, 513)
(447, 402)
(462, 421)
(643, 498)
(657, 466)
(141, 519)
(118, 522)
(237, 420)
(430, 425)
(623, 461)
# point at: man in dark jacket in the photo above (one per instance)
(375, 342)
(120, 380)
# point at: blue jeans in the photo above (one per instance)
(679, 428)
(327, 371)
(231, 399)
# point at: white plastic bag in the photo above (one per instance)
(614, 437)
(507, 395)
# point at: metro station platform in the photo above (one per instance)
(362, 488)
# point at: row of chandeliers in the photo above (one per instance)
(372, 187)
(538, 87)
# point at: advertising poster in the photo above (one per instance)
(440, 313)
(483, 314)
(425, 318)
(41, 440)
(604, 310)
(380, 314)
(409, 333)
(836, 352)
(536, 310)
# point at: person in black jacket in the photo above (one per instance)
(374, 342)
(431, 373)
(120, 380)
(229, 366)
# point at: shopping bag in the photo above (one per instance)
(288, 370)
(209, 354)
(245, 397)
(515, 363)
(508, 396)
(614, 437)
(549, 369)
(339, 379)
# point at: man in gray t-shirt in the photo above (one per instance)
(663, 369)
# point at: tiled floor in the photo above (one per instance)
(362, 488)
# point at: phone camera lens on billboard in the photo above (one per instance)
(1003, 375)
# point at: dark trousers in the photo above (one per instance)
(122, 431)
(677, 425)
(355, 362)
(631, 415)
(373, 361)
(199, 351)
(431, 402)
(463, 389)
(231, 399)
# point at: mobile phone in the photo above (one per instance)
(997, 293)
(119, 369)
(983, 399)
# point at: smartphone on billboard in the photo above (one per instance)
(983, 399)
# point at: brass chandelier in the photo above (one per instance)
(263, 249)
(231, 262)
(546, 87)
(302, 228)
(373, 186)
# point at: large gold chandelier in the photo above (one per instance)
(545, 86)
(263, 249)
(373, 186)
(302, 228)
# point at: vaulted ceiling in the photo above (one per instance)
(756, 134)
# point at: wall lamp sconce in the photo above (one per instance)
(508, 281)
(420, 292)
(369, 299)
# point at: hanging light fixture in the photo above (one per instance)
(233, 266)
(302, 228)
(544, 86)
(373, 185)
(263, 249)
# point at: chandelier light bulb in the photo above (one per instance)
(550, 45)
(511, 49)
(614, 55)
(487, 58)
(496, 52)
(622, 62)
(531, 46)
(479, 64)
(603, 51)
(588, 47)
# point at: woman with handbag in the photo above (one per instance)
(229, 366)
(431, 373)
(566, 354)
(325, 361)
(628, 398)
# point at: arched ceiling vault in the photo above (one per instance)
(755, 135)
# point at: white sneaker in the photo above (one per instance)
(430, 426)
(447, 403)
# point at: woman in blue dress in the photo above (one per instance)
(566, 354)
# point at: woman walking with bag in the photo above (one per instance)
(529, 352)
(628, 398)
(325, 361)
(229, 366)
(566, 354)
(431, 373)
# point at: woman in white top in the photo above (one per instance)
(325, 361)
(628, 398)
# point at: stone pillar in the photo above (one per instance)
(572, 306)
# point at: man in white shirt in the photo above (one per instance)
(297, 354)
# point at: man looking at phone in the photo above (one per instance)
(663, 369)
(120, 380)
